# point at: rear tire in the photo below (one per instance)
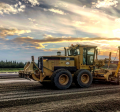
(83, 78)
(62, 79)
(76, 73)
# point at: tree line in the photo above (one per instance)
(11, 64)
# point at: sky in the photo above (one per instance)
(43, 27)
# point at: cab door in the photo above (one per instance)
(88, 56)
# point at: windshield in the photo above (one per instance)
(73, 52)
(90, 51)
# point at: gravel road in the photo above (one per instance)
(100, 97)
(99, 103)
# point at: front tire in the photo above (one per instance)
(83, 78)
(62, 79)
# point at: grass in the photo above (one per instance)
(10, 69)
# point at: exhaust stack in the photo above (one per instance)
(32, 58)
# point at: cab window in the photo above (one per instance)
(90, 51)
(73, 52)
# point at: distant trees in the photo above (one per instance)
(11, 64)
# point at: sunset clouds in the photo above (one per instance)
(10, 32)
(51, 25)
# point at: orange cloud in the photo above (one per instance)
(103, 43)
(59, 40)
(9, 32)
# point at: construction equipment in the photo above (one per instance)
(108, 74)
(77, 65)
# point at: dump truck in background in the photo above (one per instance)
(78, 65)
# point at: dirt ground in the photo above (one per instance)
(100, 103)
(92, 103)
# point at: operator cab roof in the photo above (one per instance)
(80, 45)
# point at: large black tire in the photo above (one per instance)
(76, 73)
(80, 81)
(53, 75)
(55, 79)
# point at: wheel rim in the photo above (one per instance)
(85, 78)
(63, 79)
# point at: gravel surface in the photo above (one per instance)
(104, 103)
(96, 102)
(8, 74)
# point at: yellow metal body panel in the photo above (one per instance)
(29, 67)
(108, 74)
(48, 65)
(102, 78)
(47, 72)
(28, 63)
(76, 61)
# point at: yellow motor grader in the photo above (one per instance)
(77, 65)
